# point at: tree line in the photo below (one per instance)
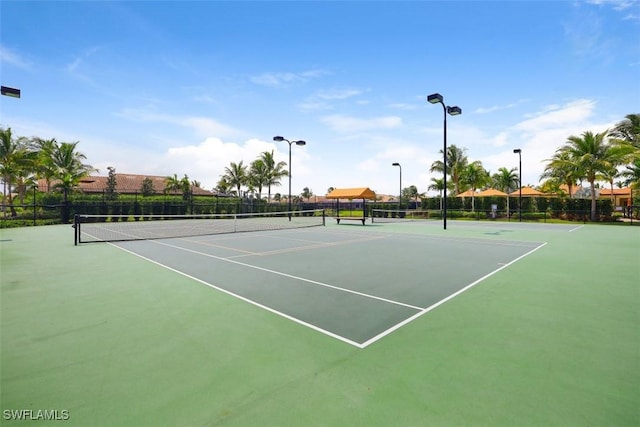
(612, 156)
(25, 160)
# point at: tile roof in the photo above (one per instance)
(126, 184)
(616, 191)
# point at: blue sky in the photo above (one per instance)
(163, 88)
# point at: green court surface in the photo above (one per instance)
(490, 324)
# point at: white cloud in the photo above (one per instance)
(616, 4)
(202, 126)
(574, 112)
(11, 57)
(485, 110)
(312, 105)
(321, 99)
(207, 160)
(278, 79)
(540, 135)
(341, 123)
(342, 93)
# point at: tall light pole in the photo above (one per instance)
(14, 93)
(519, 152)
(436, 98)
(300, 143)
(400, 193)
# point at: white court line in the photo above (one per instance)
(442, 301)
(577, 228)
(316, 246)
(257, 304)
(472, 240)
(421, 310)
(302, 279)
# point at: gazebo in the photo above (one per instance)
(363, 193)
(468, 193)
(528, 192)
(491, 192)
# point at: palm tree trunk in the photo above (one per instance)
(10, 199)
(593, 201)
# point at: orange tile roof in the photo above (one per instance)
(352, 193)
(616, 191)
(126, 184)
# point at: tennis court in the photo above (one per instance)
(339, 281)
(384, 324)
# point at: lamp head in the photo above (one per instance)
(278, 138)
(435, 98)
(395, 164)
(454, 111)
(9, 91)
(301, 142)
(517, 150)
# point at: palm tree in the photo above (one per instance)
(610, 174)
(628, 130)
(456, 162)
(70, 170)
(506, 180)
(236, 175)
(45, 168)
(185, 187)
(411, 192)
(222, 186)
(593, 157)
(562, 168)
(307, 193)
(551, 186)
(475, 176)
(16, 160)
(172, 184)
(437, 185)
(275, 171)
(259, 175)
(632, 175)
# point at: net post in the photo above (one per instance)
(324, 217)
(76, 230)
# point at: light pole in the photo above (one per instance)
(300, 143)
(519, 152)
(436, 98)
(14, 93)
(400, 193)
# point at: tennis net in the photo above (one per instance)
(391, 215)
(117, 228)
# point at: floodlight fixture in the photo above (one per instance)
(9, 91)
(435, 98)
(454, 111)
